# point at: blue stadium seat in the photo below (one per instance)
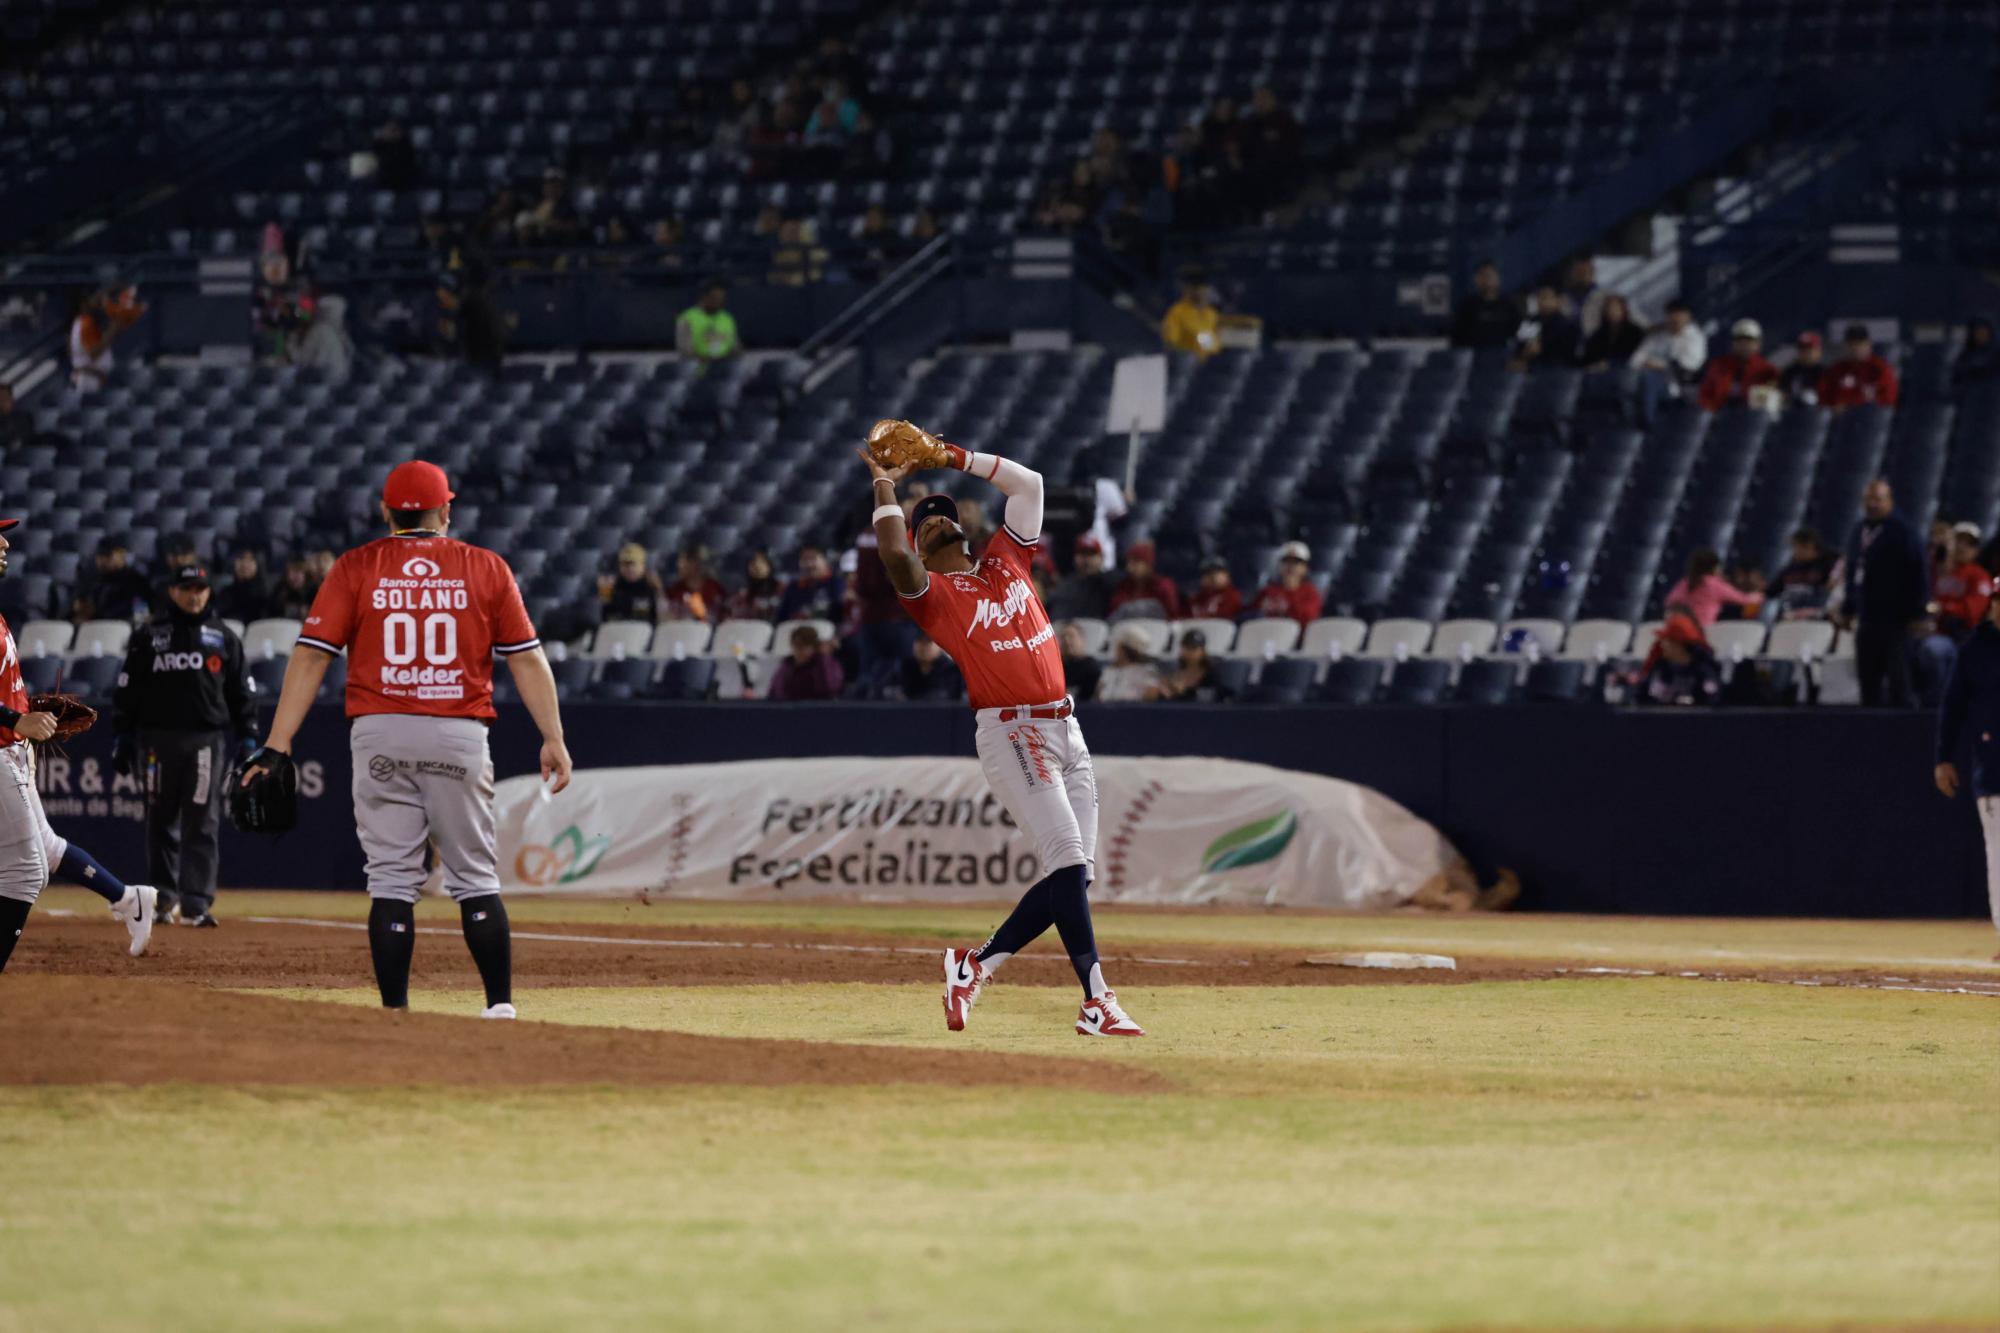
(1352, 680)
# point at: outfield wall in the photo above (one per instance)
(1784, 812)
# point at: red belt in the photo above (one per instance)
(1050, 711)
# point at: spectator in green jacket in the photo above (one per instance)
(705, 330)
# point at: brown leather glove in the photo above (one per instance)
(898, 444)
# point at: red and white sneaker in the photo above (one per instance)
(1101, 1017)
(963, 976)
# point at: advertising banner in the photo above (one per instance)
(1184, 830)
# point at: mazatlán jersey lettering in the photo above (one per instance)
(994, 626)
(421, 619)
(13, 689)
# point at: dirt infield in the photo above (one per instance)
(67, 1030)
(297, 953)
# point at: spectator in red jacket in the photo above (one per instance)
(1215, 597)
(1142, 583)
(1963, 590)
(1731, 376)
(695, 594)
(1291, 593)
(1861, 376)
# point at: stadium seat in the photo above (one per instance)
(93, 677)
(1159, 633)
(623, 678)
(1801, 640)
(681, 638)
(269, 638)
(45, 638)
(1266, 637)
(573, 676)
(267, 676)
(1487, 680)
(101, 638)
(1556, 680)
(1734, 640)
(621, 638)
(1548, 634)
(1420, 680)
(1463, 640)
(1597, 640)
(688, 678)
(740, 638)
(1283, 680)
(1333, 636)
(1352, 680)
(1096, 635)
(1221, 634)
(1643, 635)
(41, 675)
(1232, 676)
(1397, 638)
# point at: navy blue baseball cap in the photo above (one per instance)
(933, 505)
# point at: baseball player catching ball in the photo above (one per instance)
(986, 614)
(421, 618)
(31, 853)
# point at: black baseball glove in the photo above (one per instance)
(264, 793)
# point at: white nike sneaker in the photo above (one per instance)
(136, 910)
(498, 1011)
(963, 976)
(1101, 1017)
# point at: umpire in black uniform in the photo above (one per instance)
(181, 706)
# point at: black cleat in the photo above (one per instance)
(205, 921)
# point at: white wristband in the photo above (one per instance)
(886, 511)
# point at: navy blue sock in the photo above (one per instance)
(1069, 904)
(80, 867)
(484, 920)
(392, 941)
(13, 916)
(1024, 925)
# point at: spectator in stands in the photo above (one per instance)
(1549, 338)
(705, 330)
(1583, 298)
(761, 592)
(1086, 593)
(395, 156)
(927, 673)
(1885, 596)
(1072, 201)
(1486, 319)
(1801, 587)
(695, 593)
(810, 671)
(1143, 583)
(1671, 358)
(871, 149)
(1730, 377)
(1131, 677)
(834, 118)
(1193, 324)
(923, 229)
(112, 589)
(1959, 597)
(817, 593)
(1860, 376)
(103, 319)
(326, 345)
(277, 305)
(1616, 337)
(878, 244)
(1272, 139)
(1291, 593)
(292, 599)
(247, 596)
(1972, 710)
(1080, 669)
(666, 235)
(177, 552)
(1193, 677)
(552, 220)
(634, 591)
(1800, 381)
(320, 564)
(1681, 668)
(1978, 363)
(1128, 233)
(1704, 592)
(1215, 596)
(17, 428)
(879, 632)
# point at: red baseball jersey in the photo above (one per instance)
(421, 618)
(13, 689)
(994, 626)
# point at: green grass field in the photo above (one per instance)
(1619, 1153)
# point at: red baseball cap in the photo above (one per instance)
(416, 485)
(1809, 339)
(6, 523)
(1086, 542)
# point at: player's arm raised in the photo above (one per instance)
(1021, 485)
(892, 532)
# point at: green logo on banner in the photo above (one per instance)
(568, 857)
(1251, 844)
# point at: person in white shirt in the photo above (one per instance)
(1671, 359)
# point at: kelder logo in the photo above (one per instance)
(566, 858)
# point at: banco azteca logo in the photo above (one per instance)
(381, 768)
(421, 567)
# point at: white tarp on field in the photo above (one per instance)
(1170, 830)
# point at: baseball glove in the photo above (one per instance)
(898, 444)
(73, 716)
(269, 802)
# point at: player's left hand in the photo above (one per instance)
(888, 474)
(555, 762)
